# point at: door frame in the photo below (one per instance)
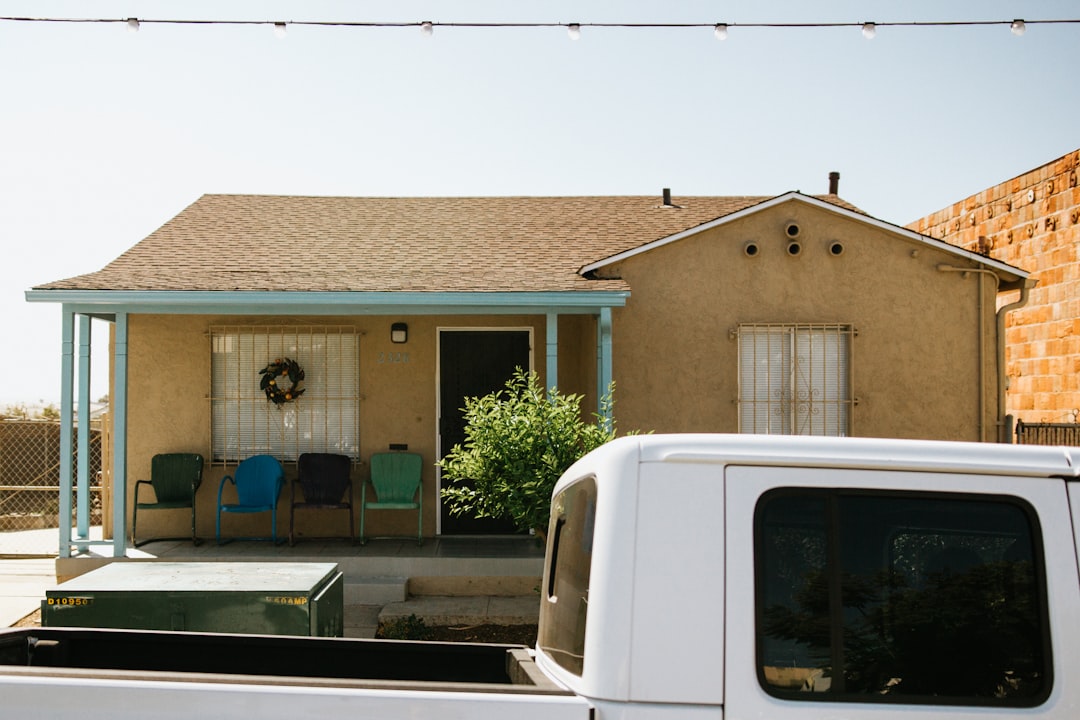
(439, 330)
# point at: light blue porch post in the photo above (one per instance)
(67, 366)
(119, 412)
(82, 512)
(552, 367)
(603, 361)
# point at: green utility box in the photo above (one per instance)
(227, 597)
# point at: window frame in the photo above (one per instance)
(326, 418)
(806, 371)
(831, 523)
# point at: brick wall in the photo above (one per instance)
(1032, 222)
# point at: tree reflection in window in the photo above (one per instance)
(914, 598)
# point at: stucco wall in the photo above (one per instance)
(915, 359)
(168, 409)
(1031, 221)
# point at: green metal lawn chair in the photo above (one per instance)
(396, 481)
(174, 478)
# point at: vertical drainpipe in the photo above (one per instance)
(1004, 436)
(999, 341)
(120, 428)
(67, 367)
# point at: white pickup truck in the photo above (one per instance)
(687, 576)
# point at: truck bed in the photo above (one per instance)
(280, 660)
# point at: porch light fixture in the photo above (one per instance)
(869, 30)
(399, 333)
(574, 31)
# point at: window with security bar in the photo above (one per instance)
(795, 379)
(324, 417)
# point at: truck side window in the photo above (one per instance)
(566, 589)
(900, 597)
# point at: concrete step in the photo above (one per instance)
(474, 610)
(375, 590)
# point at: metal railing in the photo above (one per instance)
(1047, 433)
(30, 474)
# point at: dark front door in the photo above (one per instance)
(474, 363)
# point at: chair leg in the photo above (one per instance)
(194, 536)
(292, 523)
(217, 532)
(134, 521)
(363, 513)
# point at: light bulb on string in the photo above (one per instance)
(869, 30)
(720, 31)
(1018, 27)
(574, 31)
(133, 25)
(279, 29)
(426, 28)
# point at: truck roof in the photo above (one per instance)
(849, 452)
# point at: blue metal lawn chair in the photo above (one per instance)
(258, 481)
(396, 480)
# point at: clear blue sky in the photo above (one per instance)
(106, 134)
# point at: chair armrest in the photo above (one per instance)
(221, 487)
(142, 482)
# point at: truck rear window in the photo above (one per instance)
(900, 598)
(565, 605)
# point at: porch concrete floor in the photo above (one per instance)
(29, 566)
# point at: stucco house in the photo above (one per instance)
(785, 314)
(1032, 219)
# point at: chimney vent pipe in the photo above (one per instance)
(834, 183)
(667, 196)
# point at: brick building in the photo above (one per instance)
(1031, 221)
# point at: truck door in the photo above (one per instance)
(879, 594)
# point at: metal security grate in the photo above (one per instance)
(326, 418)
(795, 379)
(30, 475)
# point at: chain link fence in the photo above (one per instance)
(30, 475)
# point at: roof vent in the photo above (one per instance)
(834, 183)
(667, 200)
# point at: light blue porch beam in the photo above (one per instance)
(551, 368)
(82, 512)
(67, 368)
(104, 303)
(603, 360)
(118, 406)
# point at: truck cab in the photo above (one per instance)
(788, 577)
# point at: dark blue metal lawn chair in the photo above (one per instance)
(258, 481)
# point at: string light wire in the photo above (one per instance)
(1013, 24)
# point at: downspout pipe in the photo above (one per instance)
(1025, 290)
(1004, 436)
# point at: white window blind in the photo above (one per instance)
(325, 418)
(795, 379)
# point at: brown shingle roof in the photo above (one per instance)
(486, 244)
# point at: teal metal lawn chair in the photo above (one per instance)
(396, 482)
(258, 481)
(174, 478)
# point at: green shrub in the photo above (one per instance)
(404, 628)
(518, 442)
